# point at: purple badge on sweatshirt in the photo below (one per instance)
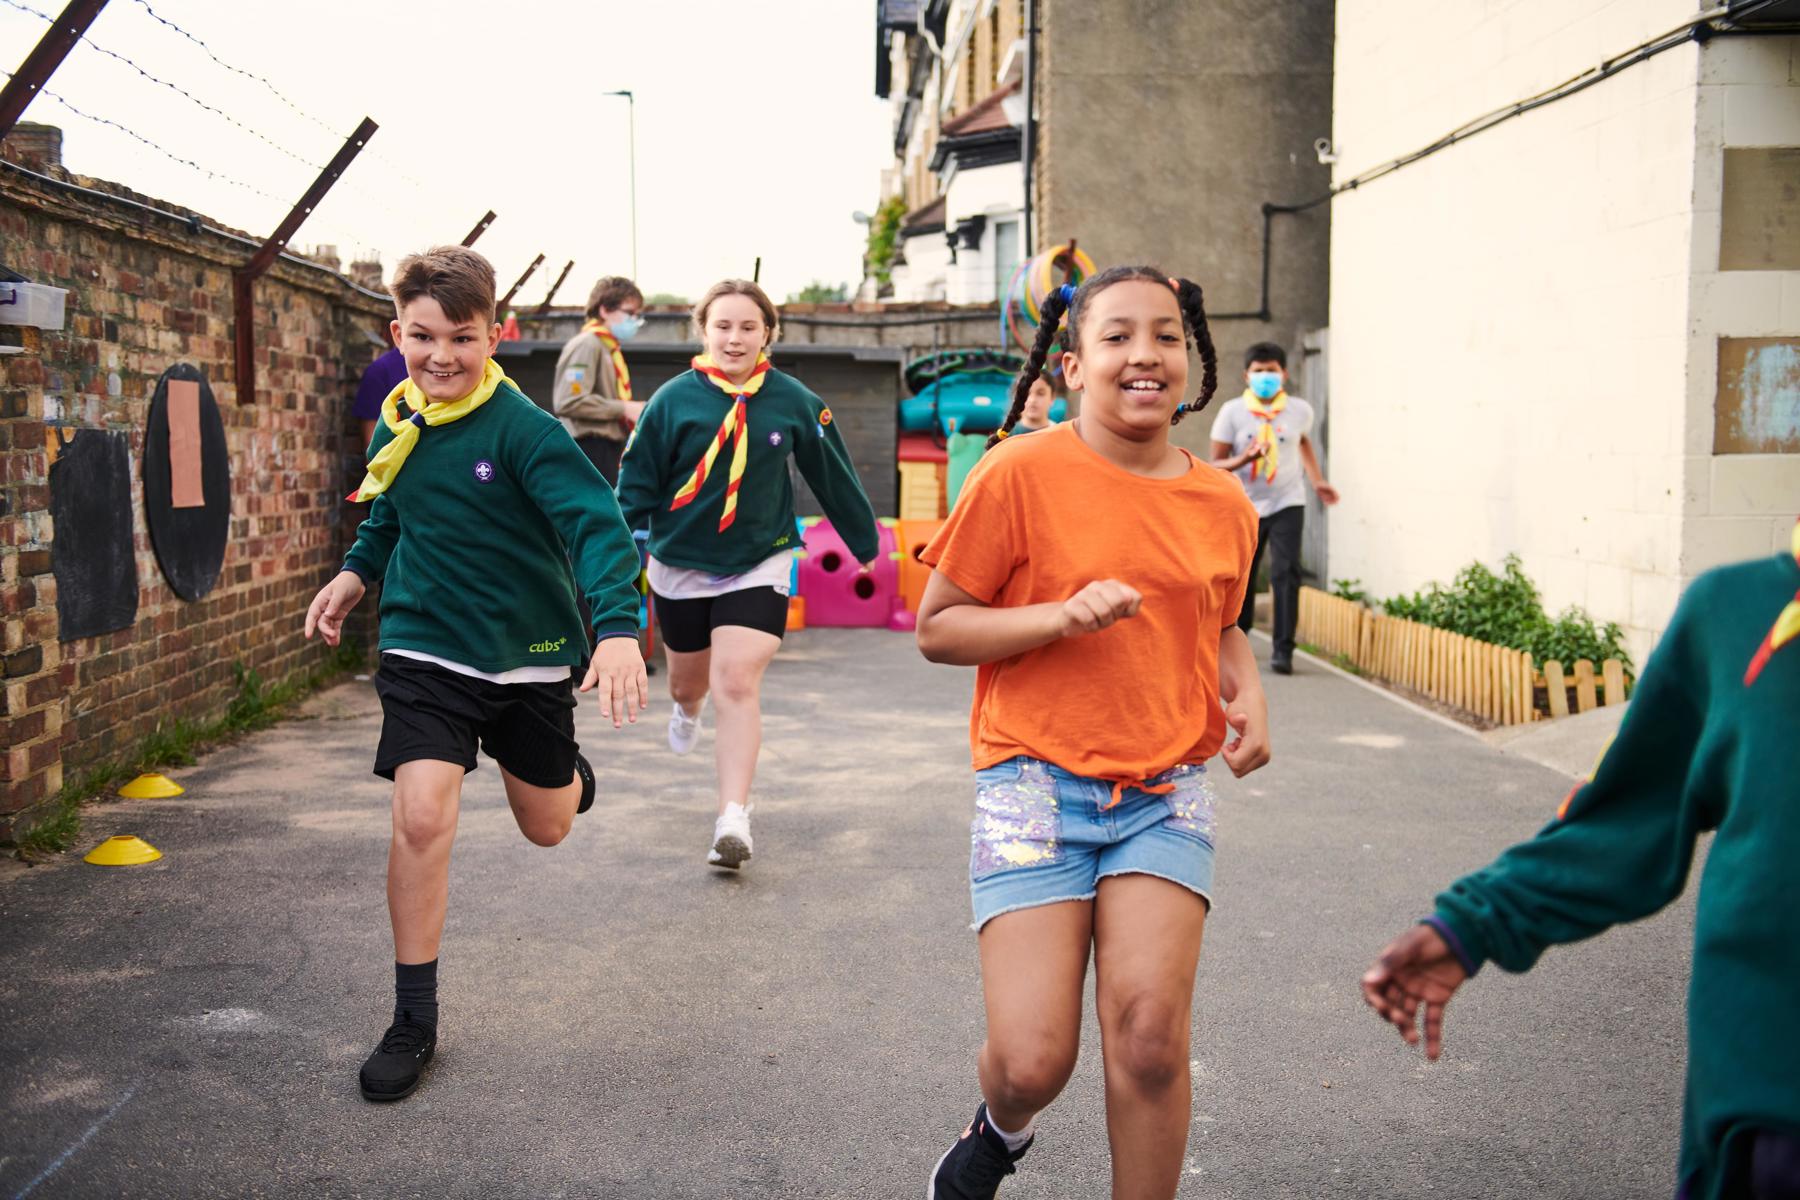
(484, 470)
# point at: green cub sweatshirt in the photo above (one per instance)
(683, 419)
(473, 540)
(1698, 750)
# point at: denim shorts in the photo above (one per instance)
(1042, 835)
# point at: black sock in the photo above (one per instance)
(415, 992)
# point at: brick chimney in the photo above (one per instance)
(32, 145)
(367, 272)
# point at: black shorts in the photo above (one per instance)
(687, 625)
(428, 712)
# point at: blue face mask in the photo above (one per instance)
(625, 325)
(1265, 385)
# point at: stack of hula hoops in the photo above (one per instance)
(1022, 305)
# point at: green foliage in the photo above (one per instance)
(1349, 589)
(668, 299)
(1506, 609)
(884, 238)
(819, 292)
(176, 743)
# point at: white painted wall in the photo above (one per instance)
(1513, 367)
(1736, 506)
(996, 193)
(926, 273)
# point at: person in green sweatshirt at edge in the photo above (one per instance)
(481, 501)
(706, 476)
(1711, 741)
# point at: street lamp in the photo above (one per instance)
(631, 127)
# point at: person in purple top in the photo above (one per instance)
(380, 377)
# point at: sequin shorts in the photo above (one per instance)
(1042, 835)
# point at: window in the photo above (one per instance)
(1006, 255)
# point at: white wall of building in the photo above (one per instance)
(925, 275)
(1519, 339)
(998, 194)
(1736, 506)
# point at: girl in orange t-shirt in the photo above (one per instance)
(1094, 573)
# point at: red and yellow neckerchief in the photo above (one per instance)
(1785, 629)
(732, 430)
(1265, 433)
(598, 329)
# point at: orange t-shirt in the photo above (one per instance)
(1043, 516)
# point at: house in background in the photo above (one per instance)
(1574, 336)
(1150, 133)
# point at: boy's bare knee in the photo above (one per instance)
(546, 831)
(1150, 1044)
(422, 819)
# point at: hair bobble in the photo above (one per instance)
(1067, 292)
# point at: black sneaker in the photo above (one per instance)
(973, 1168)
(393, 1071)
(1282, 666)
(585, 773)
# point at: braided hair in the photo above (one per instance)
(1049, 324)
(1072, 301)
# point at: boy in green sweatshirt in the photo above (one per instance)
(1711, 742)
(481, 500)
(706, 475)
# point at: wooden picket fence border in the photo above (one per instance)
(1493, 682)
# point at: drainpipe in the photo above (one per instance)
(1026, 130)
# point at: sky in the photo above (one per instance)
(758, 130)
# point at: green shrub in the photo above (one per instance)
(1505, 609)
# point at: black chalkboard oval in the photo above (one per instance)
(189, 541)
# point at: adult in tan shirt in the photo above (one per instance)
(593, 385)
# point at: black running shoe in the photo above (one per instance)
(973, 1168)
(393, 1071)
(1282, 666)
(585, 773)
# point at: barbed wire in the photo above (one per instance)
(156, 146)
(277, 93)
(174, 87)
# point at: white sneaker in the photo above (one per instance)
(731, 838)
(684, 731)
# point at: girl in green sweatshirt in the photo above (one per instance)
(705, 478)
(1711, 743)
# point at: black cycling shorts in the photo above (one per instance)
(687, 625)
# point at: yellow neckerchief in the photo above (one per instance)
(1785, 629)
(386, 465)
(1265, 432)
(732, 429)
(608, 339)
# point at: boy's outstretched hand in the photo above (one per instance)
(618, 671)
(332, 605)
(1417, 968)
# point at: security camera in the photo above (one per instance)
(1322, 147)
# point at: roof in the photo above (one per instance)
(927, 218)
(984, 117)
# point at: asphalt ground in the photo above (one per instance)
(621, 1021)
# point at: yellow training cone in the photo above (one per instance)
(123, 851)
(151, 787)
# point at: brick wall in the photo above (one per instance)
(146, 292)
